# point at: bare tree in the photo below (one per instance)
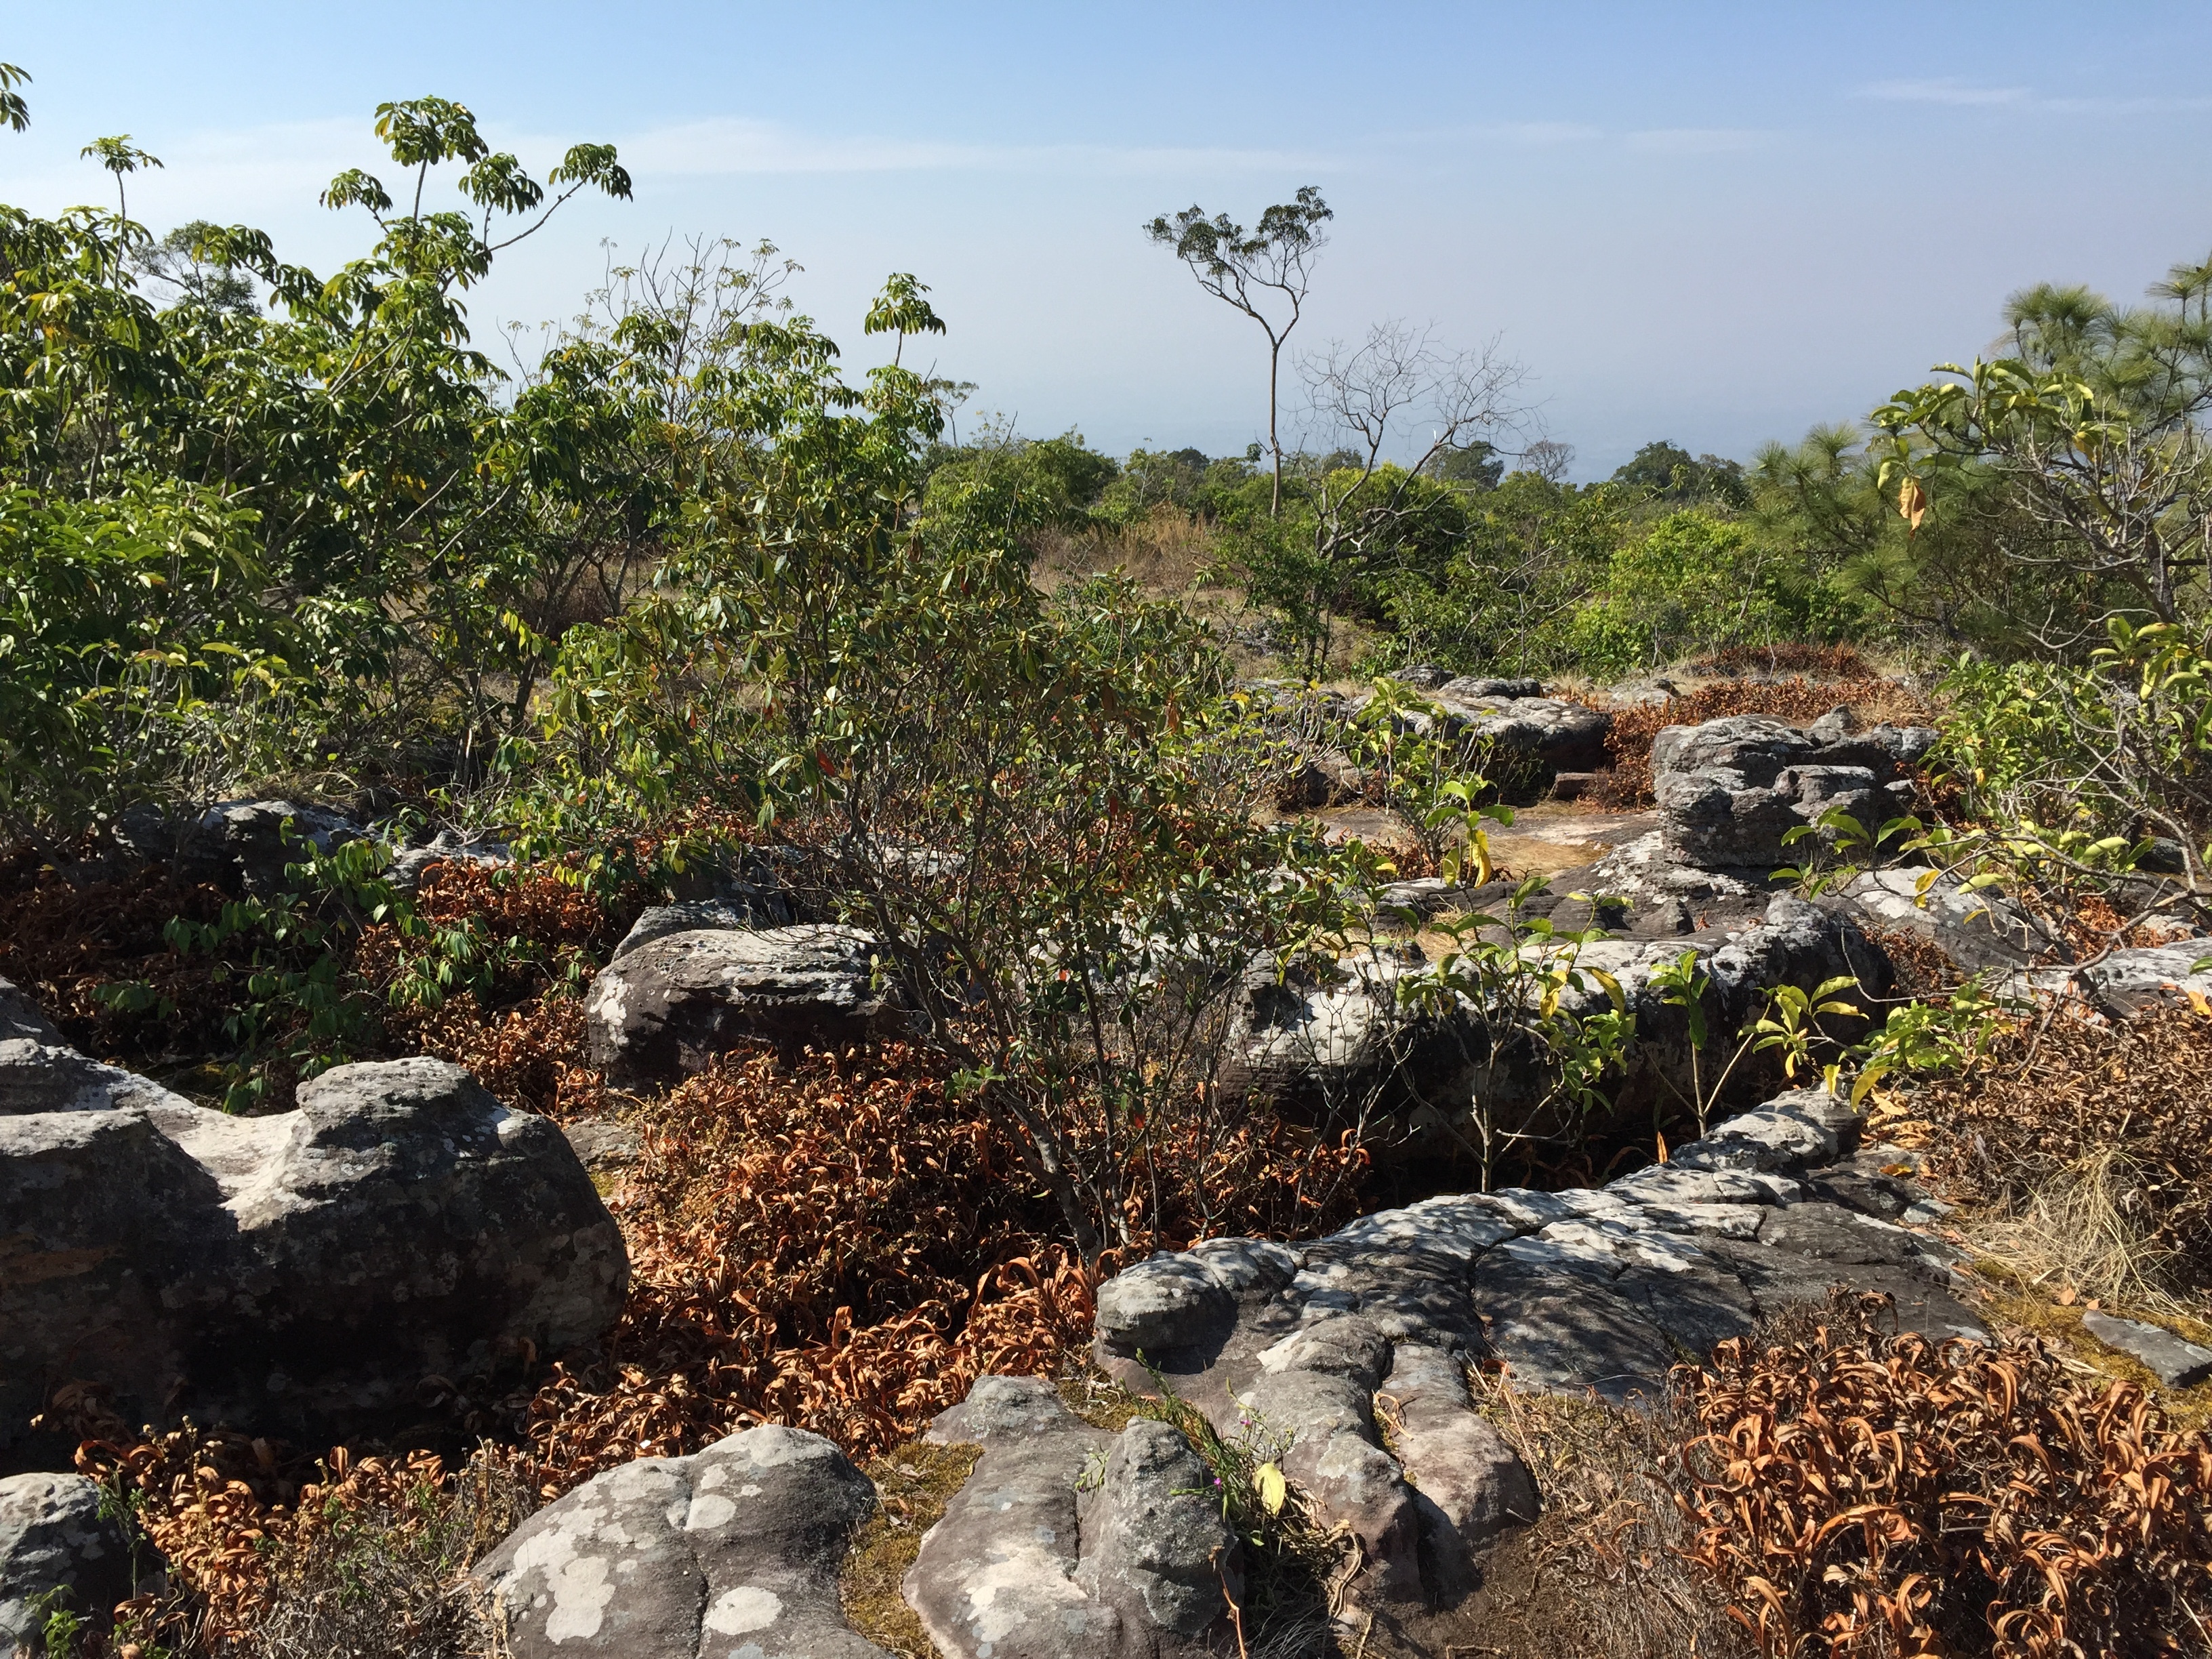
(1549, 459)
(1245, 269)
(1397, 379)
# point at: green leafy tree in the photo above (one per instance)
(1269, 268)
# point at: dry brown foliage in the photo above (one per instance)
(1861, 1495)
(61, 941)
(1627, 787)
(363, 1560)
(2047, 1095)
(842, 1247)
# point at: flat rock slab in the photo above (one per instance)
(733, 1551)
(2174, 1361)
(1578, 1291)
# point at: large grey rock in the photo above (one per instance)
(247, 844)
(1476, 688)
(732, 1551)
(410, 864)
(1567, 737)
(1067, 1544)
(2127, 980)
(1731, 791)
(1324, 1028)
(2175, 1361)
(300, 1274)
(692, 916)
(1156, 1548)
(58, 1554)
(664, 1010)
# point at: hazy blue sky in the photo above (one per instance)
(1712, 223)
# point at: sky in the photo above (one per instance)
(1713, 224)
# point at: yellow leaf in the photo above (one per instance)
(1268, 1481)
(1912, 502)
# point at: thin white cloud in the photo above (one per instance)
(1965, 94)
(732, 144)
(1545, 134)
(1945, 89)
(1698, 140)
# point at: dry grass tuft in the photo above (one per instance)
(916, 1482)
(2092, 1142)
(1600, 1573)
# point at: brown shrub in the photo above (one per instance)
(842, 1247)
(1627, 787)
(362, 1561)
(2048, 1095)
(1858, 1495)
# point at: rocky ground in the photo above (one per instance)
(304, 1273)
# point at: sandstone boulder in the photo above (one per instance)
(1731, 790)
(660, 1012)
(410, 864)
(57, 1553)
(1566, 737)
(246, 844)
(1067, 1542)
(735, 1550)
(304, 1273)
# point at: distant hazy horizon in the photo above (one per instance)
(1714, 224)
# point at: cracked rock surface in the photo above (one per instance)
(1602, 1289)
(1067, 1542)
(56, 1546)
(731, 1553)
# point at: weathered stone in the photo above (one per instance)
(58, 1553)
(1731, 791)
(1974, 930)
(1170, 1302)
(1023, 1566)
(735, 1550)
(1568, 737)
(665, 1010)
(247, 844)
(21, 1021)
(303, 1273)
(2128, 980)
(40, 1077)
(1468, 1485)
(2175, 1362)
(1299, 1032)
(1155, 1547)
(410, 864)
(692, 916)
(604, 1145)
(1476, 688)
